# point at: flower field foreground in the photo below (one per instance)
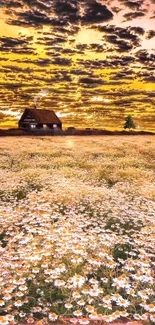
(77, 229)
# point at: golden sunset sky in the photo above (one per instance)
(94, 59)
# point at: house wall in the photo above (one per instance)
(49, 126)
(27, 120)
(27, 125)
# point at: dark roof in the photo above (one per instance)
(44, 116)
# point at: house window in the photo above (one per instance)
(44, 126)
(33, 126)
(55, 126)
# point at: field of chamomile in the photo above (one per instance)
(77, 229)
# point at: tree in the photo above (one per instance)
(129, 123)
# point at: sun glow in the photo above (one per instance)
(97, 99)
(106, 100)
(88, 36)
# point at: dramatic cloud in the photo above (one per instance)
(16, 45)
(96, 13)
(133, 15)
(96, 58)
(133, 4)
(150, 34)
(56, 12)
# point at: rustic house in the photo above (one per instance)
(39, 119)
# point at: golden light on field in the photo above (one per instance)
(70, 143)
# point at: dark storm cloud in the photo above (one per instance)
(92, 81)
(111, 61)
(52, 53)
(28, 3)
(12, 4)
(96, 48)
(122, 102)
(12, 85)
(137, 30)
(31, 18)
(151, 94)
(67, 11)
(67, 30)
(124, 74)
(62, 61)
(128, 35)
(56, 40)
(124, 39)
(4, 59)
(133, 15)
(96, 13)
(66, 78)
(71, 51)
(43, 79)
(116, 83)
(16, 45)
(116, 9)
(150, 34)
(79, 72)
(48, 41)
(144, 56)
(93, 64)
(82, 47)
(121, 45)
(39, 62)
(14, 68)
(133, 4)
(56, 13)
(150, 79)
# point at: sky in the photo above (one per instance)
(93, 60)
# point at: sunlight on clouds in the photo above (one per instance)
(59, 114)
(97, 99)
(11, 113)
(101, 99)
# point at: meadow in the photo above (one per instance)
(77, 229)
